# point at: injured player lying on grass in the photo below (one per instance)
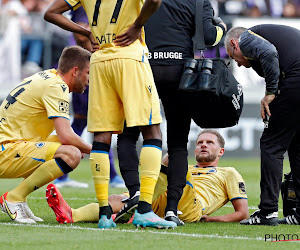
(207, 189)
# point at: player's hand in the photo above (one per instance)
(95, 45)
(204, 218)
(82, 155)
(264, 105)
(129, 36)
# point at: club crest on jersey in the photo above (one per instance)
(242, 187)
(40, 144)
(63, 106)
(213, 170)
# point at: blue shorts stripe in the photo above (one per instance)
(41, 160)
(150, 119)
(190, 184)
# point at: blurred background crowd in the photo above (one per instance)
(29, 44)
(41, 42)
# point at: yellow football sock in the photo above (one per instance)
(100, 169)
(150, 160)
(44, 174)
(88, 213)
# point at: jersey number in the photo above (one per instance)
(11, 99)
(115, 15)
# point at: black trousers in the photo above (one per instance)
(282, 134)
(167, 79)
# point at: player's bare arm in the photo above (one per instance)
(241, 212)
(54, 15)
(67, 136)
(134, 31)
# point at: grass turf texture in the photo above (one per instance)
(51, 235)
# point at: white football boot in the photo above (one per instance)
(16, 211)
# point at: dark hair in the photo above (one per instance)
(73, 56)
(221, 140)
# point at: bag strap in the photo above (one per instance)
(200, 43)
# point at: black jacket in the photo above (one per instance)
(273, 53)
(170, 30)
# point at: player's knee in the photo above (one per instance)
(72, 156)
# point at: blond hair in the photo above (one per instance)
(221, 140)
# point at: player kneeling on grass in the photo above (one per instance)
(207, 189)
(29, 115)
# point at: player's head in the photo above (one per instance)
(75, 61)
(231, 43)
(209, 146)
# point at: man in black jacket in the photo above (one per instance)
(272, 51)
(169, 46)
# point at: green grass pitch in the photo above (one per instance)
(51, 235)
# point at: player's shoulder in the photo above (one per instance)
(228, 170)
(53, 80)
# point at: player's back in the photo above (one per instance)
(109, 18)
(26, 110)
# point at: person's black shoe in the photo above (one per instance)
(257, 218)
(292, 219)
(171, 216)
(126, 212)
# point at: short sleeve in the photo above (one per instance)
(56, 101)
(74, 4)
(235, 185)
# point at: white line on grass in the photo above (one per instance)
(138, 231)
(250, 207)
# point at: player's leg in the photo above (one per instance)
(142, 108)
(65, 159)
(99, 161)
(128, 162)
(150, 160)
(64, 213)
(105, 115)
(88, 213)
(58, 160)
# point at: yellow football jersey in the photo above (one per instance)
(27, 111)
(109, 18)
(206, 190)
(216, 186)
